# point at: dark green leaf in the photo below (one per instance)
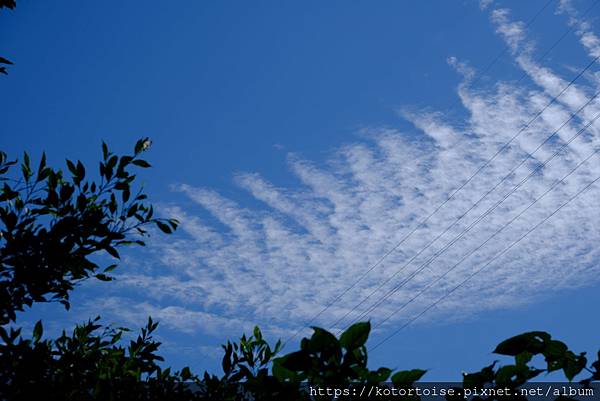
(325, 342)
(142, 145)
(110, 268)
(112, 251)
(80, 170)
(163, 227)
(381, 375)
(297, 361)
(280, 372)
(405, 377)
(532, 342)
(356, 336)
(104, 150)
(141, 163)
(257, 333)
(126, 194)
(103, 277)
(523, 358)
(72, 168)
(26, 159)
(38, 330)
(573, 365)
(185, 374)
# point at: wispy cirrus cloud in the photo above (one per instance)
(280, 264)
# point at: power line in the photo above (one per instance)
(476, 221)
(365, 313)
(514, 189)
(487, 193)
(423, 222)
(369, 310)
(497, 255)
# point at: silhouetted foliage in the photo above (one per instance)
(11, 4)
(93, 365)
(2, 68)
(524, 348)
(250, 367)
(53, 223)
(8, 4)
(88, 365)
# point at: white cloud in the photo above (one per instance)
(484, 4)
(278, 265)
(513, 32)
(587, 37)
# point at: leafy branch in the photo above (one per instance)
(52, 223)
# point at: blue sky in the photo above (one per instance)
(298, 142)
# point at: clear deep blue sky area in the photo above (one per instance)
(300, 140)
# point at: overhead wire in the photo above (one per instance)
(495, 257)
(481, 217)
(453, 194)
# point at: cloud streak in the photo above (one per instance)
(280, 263)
